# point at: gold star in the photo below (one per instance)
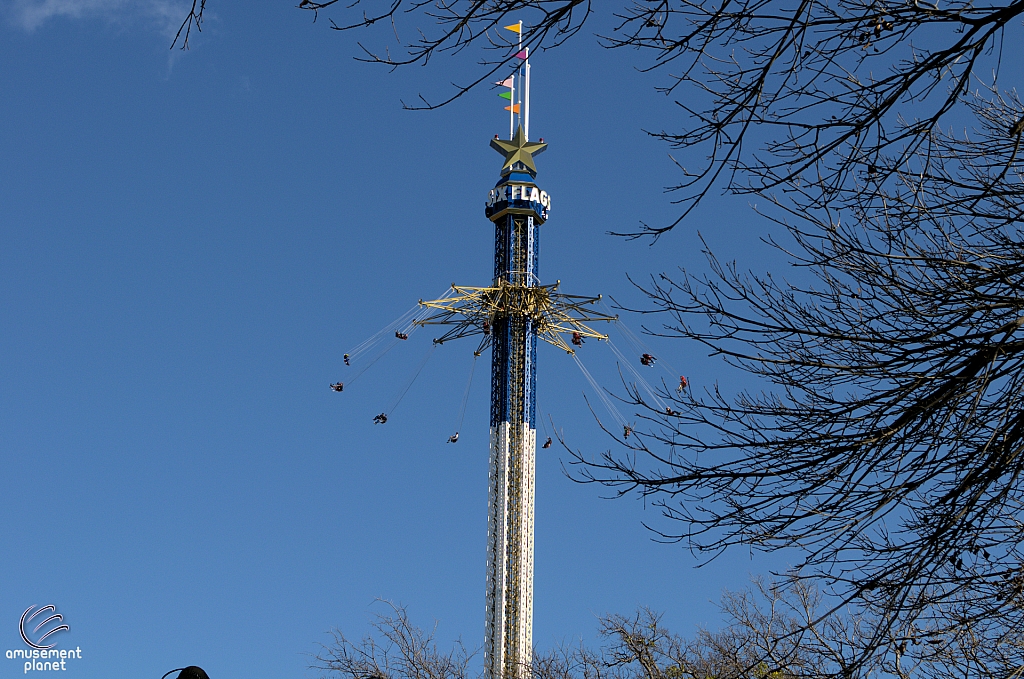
(518, 150)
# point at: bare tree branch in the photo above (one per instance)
(888, 442)
(194, 19)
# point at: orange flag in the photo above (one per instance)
(514, 108)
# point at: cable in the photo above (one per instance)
(544, 427)
(366, 366)
(368, 344)
(633, 339)
(408, 385)
(641, 348)
(609, 406)
(465, 397)
(405, 324)
(639, 378)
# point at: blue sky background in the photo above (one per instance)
(189, 242)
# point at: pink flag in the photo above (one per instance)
(521, 55)
(507, 82)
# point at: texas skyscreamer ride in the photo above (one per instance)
(511, 314)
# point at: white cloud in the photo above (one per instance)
(166, 15)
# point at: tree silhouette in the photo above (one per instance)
(772, 630)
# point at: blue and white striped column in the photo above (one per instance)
(508, 644)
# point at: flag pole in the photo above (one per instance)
(526, 127)
(512, 108)
(524, 114)
(518, 104)
(519, 51)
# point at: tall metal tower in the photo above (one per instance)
(511, 314)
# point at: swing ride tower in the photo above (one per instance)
(508, 640)
(511, 314)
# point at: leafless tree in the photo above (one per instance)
(774, 630)
(887, 438)
(396, 649)
(787, 630)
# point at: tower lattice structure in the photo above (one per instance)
(512, 314)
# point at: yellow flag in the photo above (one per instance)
(515, 28)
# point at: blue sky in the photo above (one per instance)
(189, 242)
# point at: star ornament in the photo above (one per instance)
(518, 150)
